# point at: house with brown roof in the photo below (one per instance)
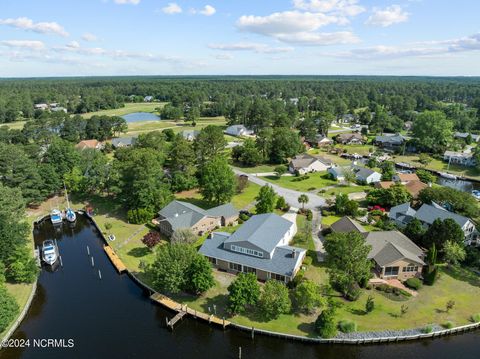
(89, 144)
(404, 178)
(412, 187)
(350, 139)
(394, 255)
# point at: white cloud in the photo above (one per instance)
(172, 8)
(224, 57)
(208, 10)
(389, 16)
(250, 46)
(89, 37)
(420, 50)
(25, 23)
(343, 7)
(297, 27)
(25, 44)
(122, 2)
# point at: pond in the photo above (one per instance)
(113, 318)
(141, 116)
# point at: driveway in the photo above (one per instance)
(290, 195)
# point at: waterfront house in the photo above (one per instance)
(412, 187)
(190, 135)
(390, 141)
(362, 174)
(178, 214)
(148, 99)
(123, 142)
(428, 213)
(350, 139)
(259, 246)
(394, 255)
(459, 158)
(238, 130)
(322, 141)
(306, 163)
(464, 135)
(404, 178)
(89, 144)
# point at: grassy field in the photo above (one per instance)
(128, 108)
(20, 292)
(256, 169)
(314, 181)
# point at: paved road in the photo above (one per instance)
(290, 195)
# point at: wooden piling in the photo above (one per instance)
(253, 332)
(93, 262)
(239, 352)
(61, 261)
(99, 274)
(88, 250)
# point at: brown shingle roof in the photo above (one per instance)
(407, 177)
(384, 184)
(87, 144)
(414, 187)
(346, 224)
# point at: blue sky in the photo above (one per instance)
(200, 37)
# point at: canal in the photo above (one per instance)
(114, 318)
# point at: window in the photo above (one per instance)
(212, 260)
(248, 251)
(391, 271)
(235, 266)
(410, 268)
(278, 277)
(249, 270)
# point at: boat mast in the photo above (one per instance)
(66, 195)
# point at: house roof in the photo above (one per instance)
(282, 261)
(394, 139)
(185, 215)
(87, 144)
(363, 172)
(406, 177)
(236, 129)
(125, 141)
(190, 133)
(384, 184)
(391, 246)
(429, 213)
(415, 187)
(402, 212)
(349, 136)
(346, 224)
(465, 135)
(262, 230)
(322, 138)
(305, 160)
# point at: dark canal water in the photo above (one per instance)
(141, 116)
(113, 318)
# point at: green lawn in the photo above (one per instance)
(20, 292)
(314, 181)
(128, 108)
(329, 220)
(346, 190)
(256, 169)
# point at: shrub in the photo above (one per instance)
(281, 203)
(139, 216)
(370, 304)
(347, 326)
(309, 215)
(353, 293)
(427, 329)
(325, 323)
(326, 230)
(8, 308)
(244, 217)
(308, 260)
(414, 283)
(151, 239)
(431, 277)
(448, 325)
(475, 318)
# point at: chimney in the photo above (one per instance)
(294, 253)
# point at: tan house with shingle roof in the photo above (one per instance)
(306, 163)
(393, 253)
(90, 144)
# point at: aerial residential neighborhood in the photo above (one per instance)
(235, 179)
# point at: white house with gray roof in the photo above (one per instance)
(238, 130)
(123, 142)
(428, 213)
(362, 174)
(259, 246)
(305, 163)
(464, 135)
(178, 214)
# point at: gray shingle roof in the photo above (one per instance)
(282, 261)
(402, 212)
(185, 215)
(262, 230)
(346, 224)
(396, 139)
(125, 141)
(391, 246)
(428, 214)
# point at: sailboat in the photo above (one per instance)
(69, 213)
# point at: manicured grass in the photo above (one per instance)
(302, 239)
(129, 108)
(346, 190)
(135, 252)
(17, 125)
(239, 200)
(360, 149)
(256, 169)
(314, 181)
(329, 220)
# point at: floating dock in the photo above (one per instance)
(117, 263)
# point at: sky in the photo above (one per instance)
(239, 37)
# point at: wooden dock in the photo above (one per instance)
(182, 310)
(116, 261)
